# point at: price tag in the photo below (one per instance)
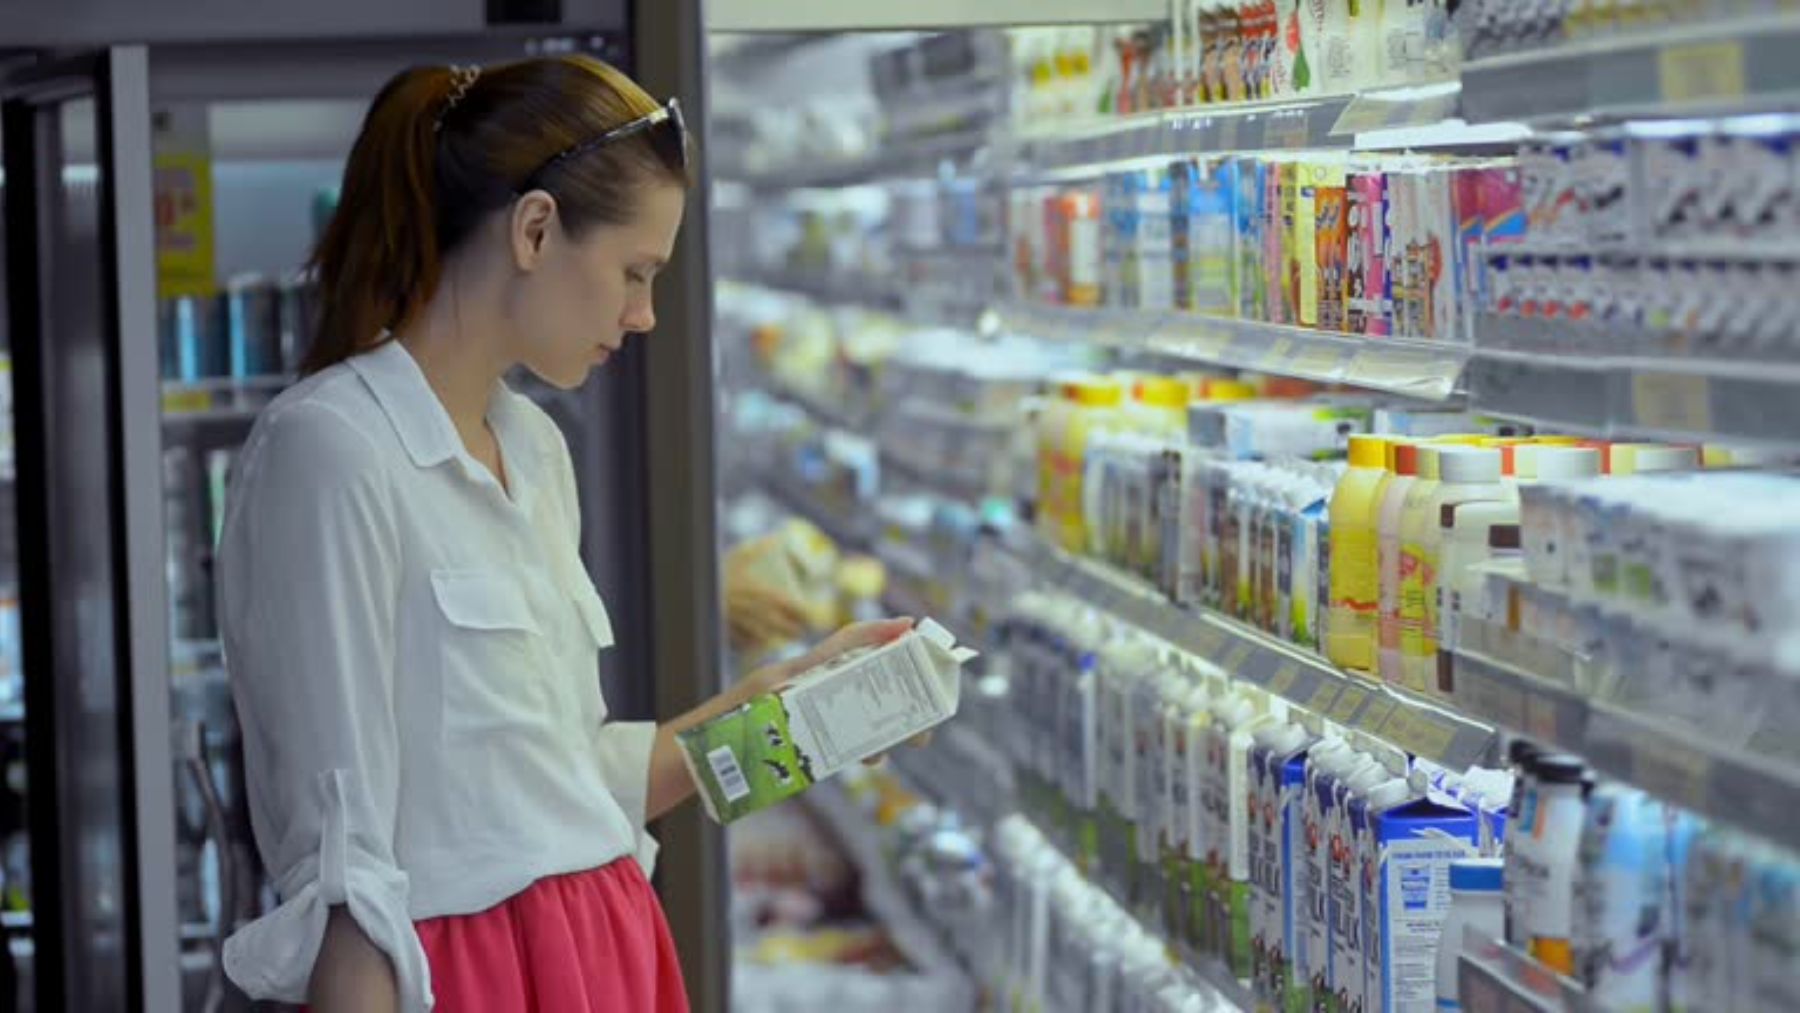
(1378, 712)
(1701, 72)
(1277, 355)
(1427, 375)
(1286, 130)
(1191, 339)
(1432, 736)
(1318, 361)
(1226, 133)
(1363, 113)
(1283, 679)
(1672, 771)
(1323, 696)
(1205, 641)
(1349, 701)
(1234, 659)
(1672, 401)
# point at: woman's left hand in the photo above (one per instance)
(850, 638)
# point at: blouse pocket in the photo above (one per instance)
(594, 634)
(491, 650)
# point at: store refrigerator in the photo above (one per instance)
(124, 834)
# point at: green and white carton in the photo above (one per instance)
(857, 705)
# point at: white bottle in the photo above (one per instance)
(1476, 901)
(1555, 845)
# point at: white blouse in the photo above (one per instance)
(413, 656)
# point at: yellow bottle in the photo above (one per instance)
(1355, 578)
(1093, 409)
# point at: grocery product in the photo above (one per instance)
(1476, 903)
(1355, 564)
(856, 706)
(1404, 469)
(1620, 890)
(1466, 475)
(1547, 868)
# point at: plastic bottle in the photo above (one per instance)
(1555, 843)
(1414, 511)
(1403, 462)
(1621, 888)
(1466, 475)
(1520, 811)
(1645, 458)
(1477, 901)
(1092, 408)
(1355, 567)
(1473, 534)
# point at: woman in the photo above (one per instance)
(435, 787)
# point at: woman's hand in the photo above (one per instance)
(856, 635)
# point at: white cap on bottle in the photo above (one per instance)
(1647, 457)
(1469, 464)
(1550, 464)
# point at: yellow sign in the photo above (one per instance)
(1701, 72)
(184, 224)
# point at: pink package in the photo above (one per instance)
(1366, 278)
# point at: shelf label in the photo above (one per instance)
(1411, 372)
(1191, 340)
(1365, 112)
(1283, 679)
(1277, 354)
(1701, 71)
(1379, 712)
(1234, 659)
(1323, 696)
(1542, 720)
(1672, 771)
(1205, 640)
(1318, 361)
(1489, 697)
(1349, 701)
(1287, 130)
(1672, 401)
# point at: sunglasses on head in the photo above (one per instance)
(666, 130)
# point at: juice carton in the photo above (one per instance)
(855, 706)
(1367, 305)
(1330, 250)
(1251, 213)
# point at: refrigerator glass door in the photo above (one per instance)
(80, 281)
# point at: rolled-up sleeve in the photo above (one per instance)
(309, 570)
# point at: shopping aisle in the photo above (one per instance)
(1359, 442)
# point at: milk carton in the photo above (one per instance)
(855, 706)
(1312, 950)
(1413, 845)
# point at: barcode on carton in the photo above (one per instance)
(731, 777)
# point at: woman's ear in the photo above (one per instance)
(533, 216)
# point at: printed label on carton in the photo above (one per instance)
(781, 743)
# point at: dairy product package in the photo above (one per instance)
(1344, 884)
(1621, 888)
(1415, 844)
(1312, 945)
(1368, 303)
(1277, 759)
(851, 708)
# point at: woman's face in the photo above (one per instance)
(579, 297)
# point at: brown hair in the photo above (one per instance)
(427, 169)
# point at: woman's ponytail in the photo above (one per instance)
(378, 259)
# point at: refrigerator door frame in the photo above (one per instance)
(141, 919)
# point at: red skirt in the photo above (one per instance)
(586, 942)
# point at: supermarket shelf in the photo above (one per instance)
(830, 15)
(914, 157)
(826, 286)
(1758, 793)
(1495, 978)
(839, 525)
(1686, 68)
(913, 467)
(1305, 680)
(1427, 370)
(887, 900)
(1330, 121)
(1666, 398)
